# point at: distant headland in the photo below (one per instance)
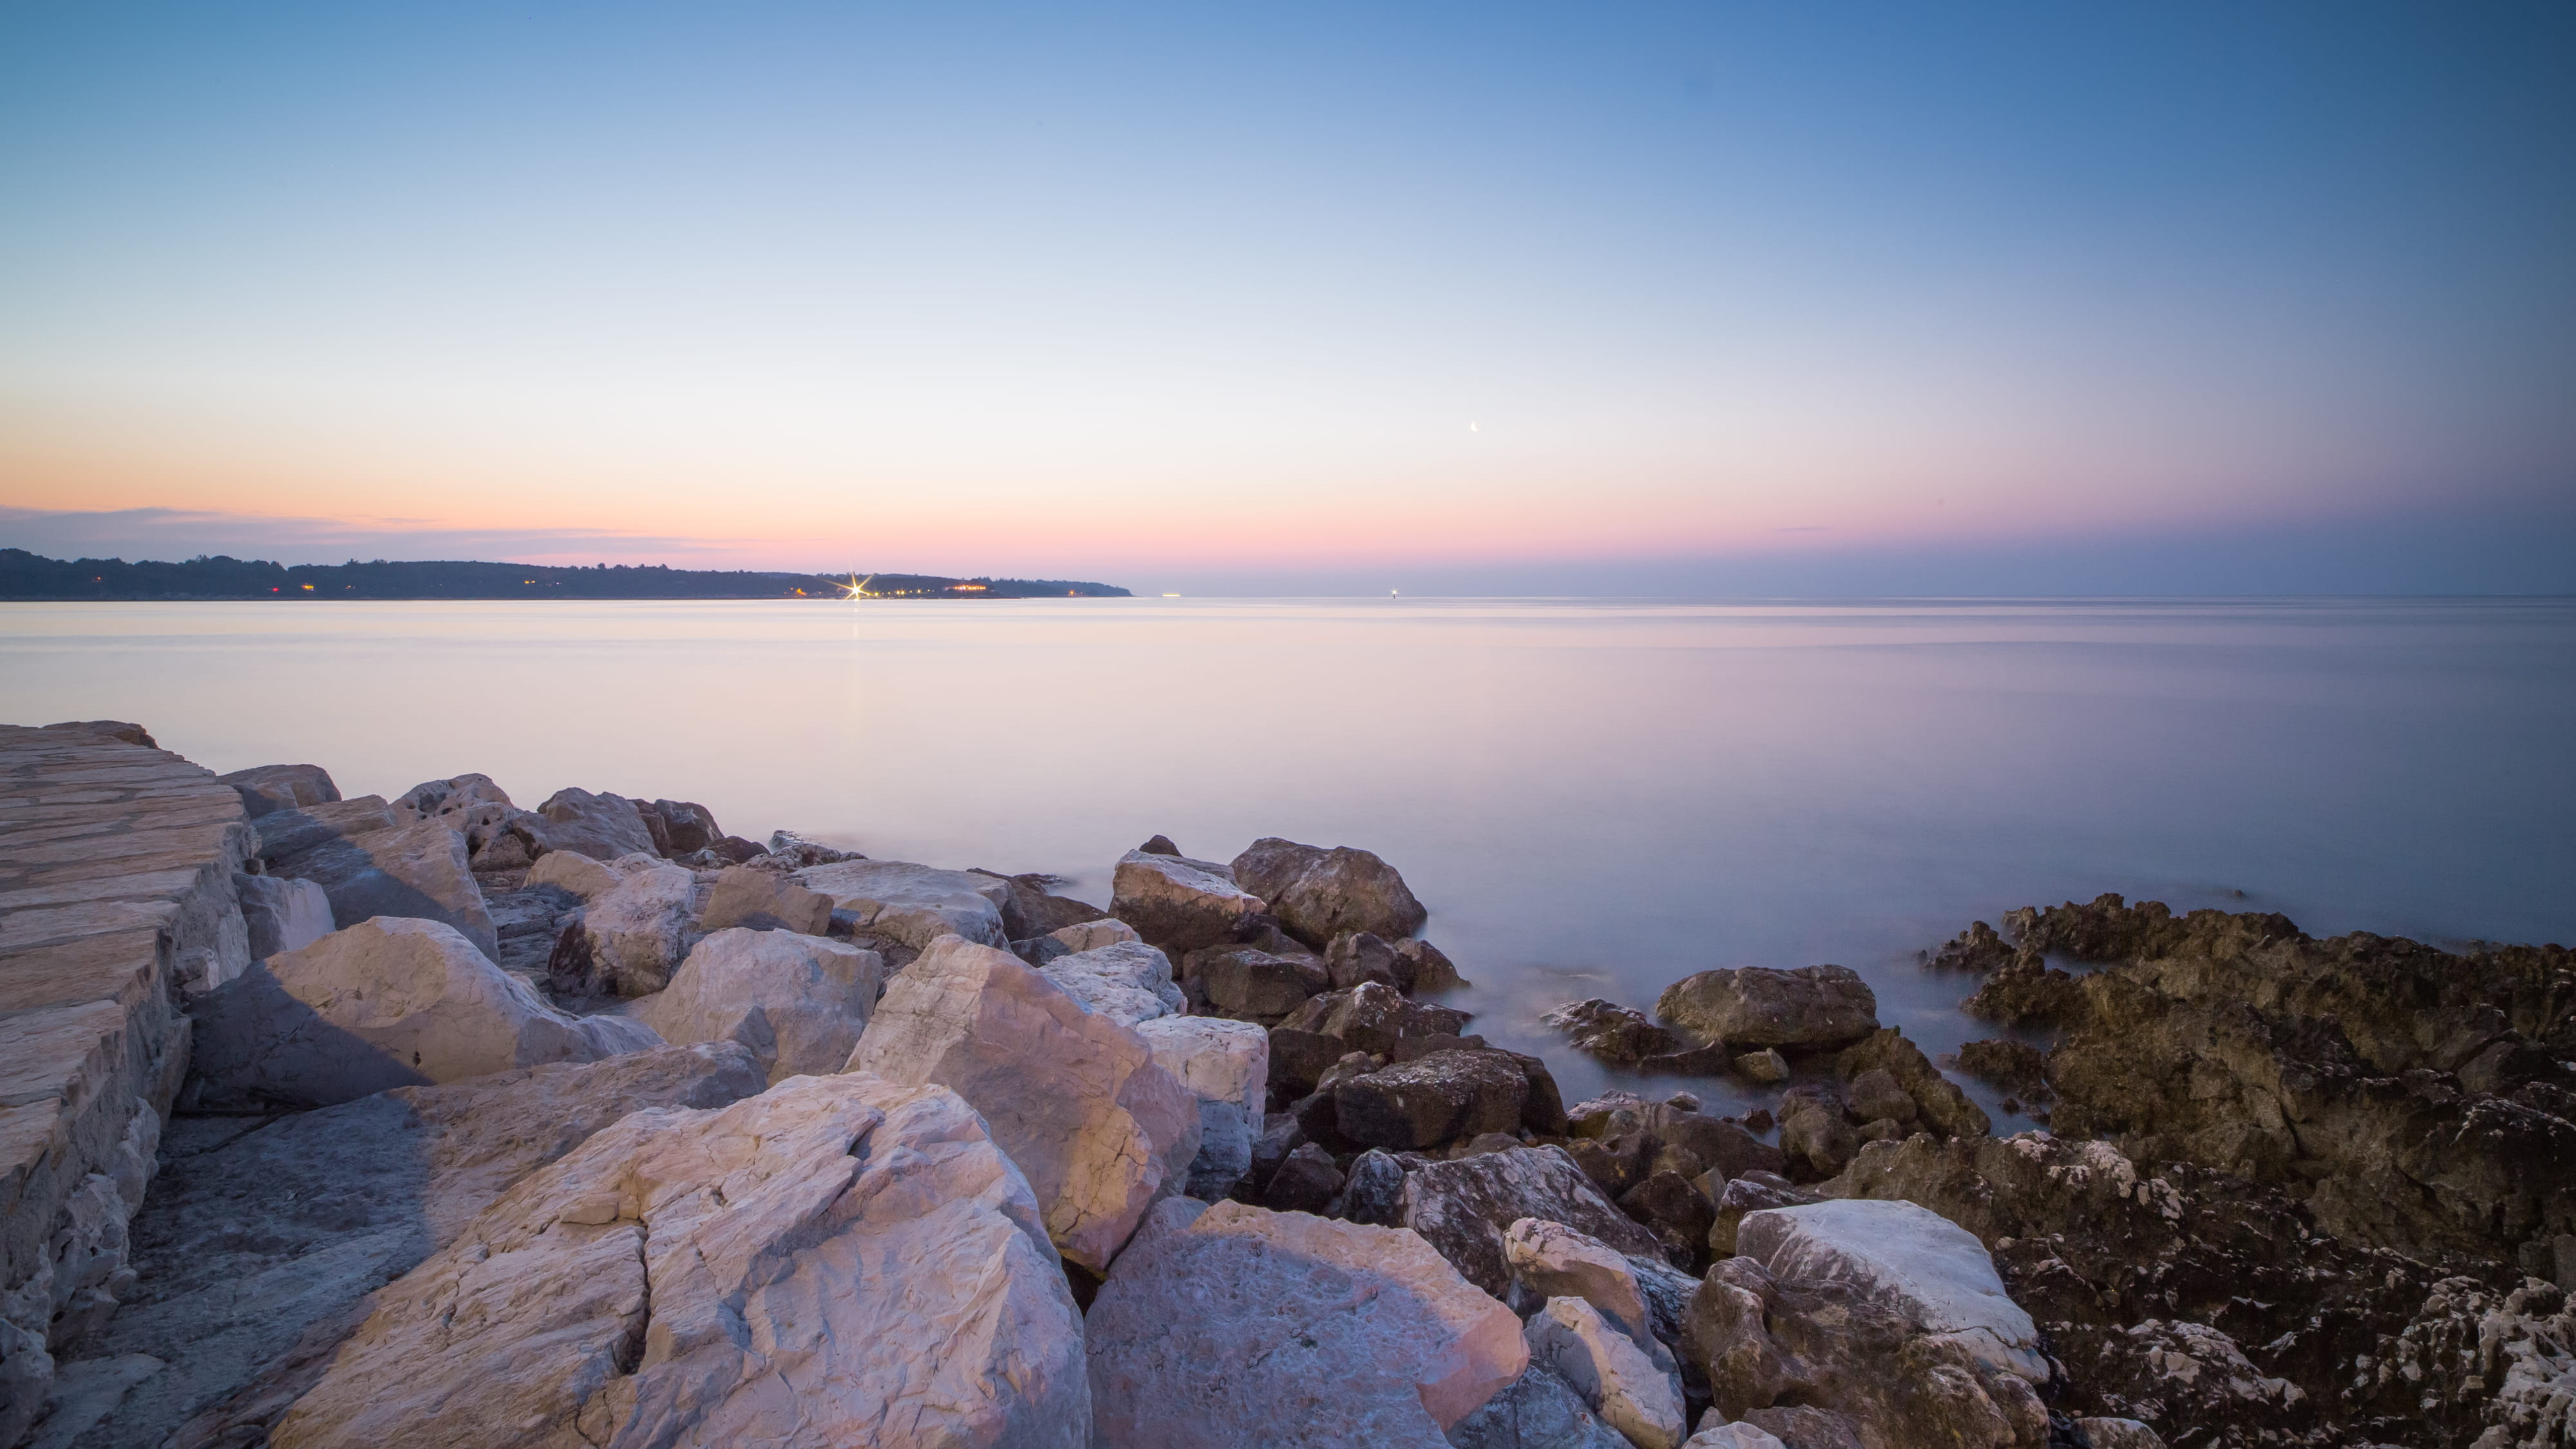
(24, 575)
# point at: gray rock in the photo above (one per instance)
(1233, 1327)
(1539, 1411)
(1610, 1031)
(1177, 903)
(836, 1261)
(1617, 1379)
(371, 867)
(1811, 1008)
(1464, 1207)
(1127, 981)
(1247, 982)
(638, 930)
(764, 901)
(798, 1002)
(913, 905)
(283, 914)
(680, 827)
(1750, 1192)
(1225, 1065)
(1320, 894)
(1372, 1192)
(385, 1003)
(1373, 1017)
(266, 789)
(261, 1239)
(1306, 1181)
(602, 827)
(1360, 956)
(1432, 1101)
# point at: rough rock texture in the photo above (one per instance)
(1464, 1208)
(1904, 1086)
(2416, 1100)
(1631, 1393)
(1432, 1100)
(764, 901)
(1093, 934)
(1224, 1064)
(1551, 1260)
(578, 874)
(602, 827)
(386, 1003)
(1741, 1435)
(1810, 1008)
(680, 827)
(1238, 1326)
(913, 905)
(1177, 903)
(839, 1260)
(798, 1002)
(1255, 985)
(1750, 1192)
(1372, 1192)
(1888, 1323)
(268, 788)
(261, 1238)
(1610, 1031)
(418, 871)
(2137, 1277)
(1319, 894)
(282, 915)
(1539, 1411)
(1033, 909)
(1074, 1098)
(1126, 981)
(1373, 1017)
(634, 934)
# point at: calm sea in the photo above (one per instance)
(1593, 798)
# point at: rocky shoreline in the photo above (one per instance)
(594, 1124)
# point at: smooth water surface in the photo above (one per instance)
(1593, 798)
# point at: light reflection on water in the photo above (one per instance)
(1593, 798)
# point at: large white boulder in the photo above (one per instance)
(1127, 981)
(836, 1261)
(798, 1001)
(570, 870)
(388, 1002)
(1237, 1326)
(636, 933)
(1907, 1259)
(1074, 1098)
(345, 1199)
(1226, 1065)
(913, 905)
(1177, 903)
(1630, 1392)
(1551, 1260)
(600, 826)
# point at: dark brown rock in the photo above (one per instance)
(1610, 1031)
(1306, 1182)
(1810, 1008)
(1432, 1101)
(1319, 894)
(1463, 1207)
(1676, 1213)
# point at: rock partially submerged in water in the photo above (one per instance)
(1808, 1009)
(1321, 894)
(1610, 1031)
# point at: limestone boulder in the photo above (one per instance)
(1616, 1378)
(371, 867)
(913, 905)
(266, 789)
(839, 1260)
(1075, 1098)
(1738, 1434)
(256, 1249)
(1822, 1299)
(1093, 934)
(798, 1002)
(633, 935)
(1808, 1009)
(282, 914)
(1237, 1326)
(385, 1003)
(1177, 903)
(1126, 981)
(1226, 1066)
(602, 827)
(1319, 894)
(572, 871)
(1465, 1207)
(764, 901)
(1550, 1260)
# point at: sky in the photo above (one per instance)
(1710, 298)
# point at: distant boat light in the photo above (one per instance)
(1171, 596)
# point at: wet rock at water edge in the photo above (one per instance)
(1610, 1031)
(1810, 1008)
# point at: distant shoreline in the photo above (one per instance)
(31, 578)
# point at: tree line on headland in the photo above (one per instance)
(25, 575)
